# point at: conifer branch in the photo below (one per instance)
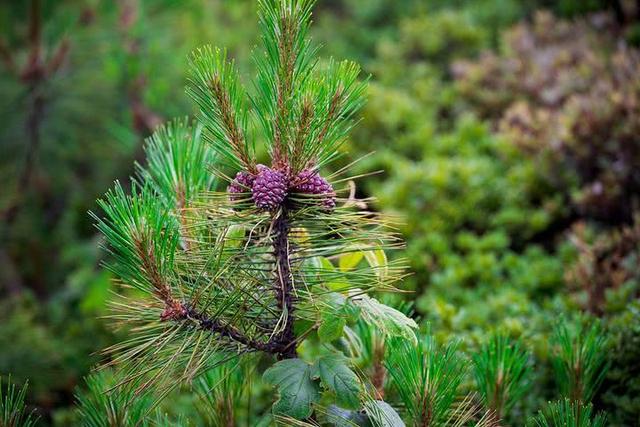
(173, 308)
(215, 87)
(303, 131)
(235, 135)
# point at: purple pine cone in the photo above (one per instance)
(242, 183)
(310, 182)
(269, 188)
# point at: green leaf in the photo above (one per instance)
(332, 327)
(350, 260)
(388, 320)
(382, 414)
(336, 284)
(340, 417)
(296, 387)
(340, 379)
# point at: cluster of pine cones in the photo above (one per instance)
(269, 187)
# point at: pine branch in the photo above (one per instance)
(177, 168)
(227, 331)
(282, 71)
(427, 378)
(340, 96)
(215, 87)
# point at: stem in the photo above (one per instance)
(284, 285)
(379, 371)
(224, 330)
(283, 345)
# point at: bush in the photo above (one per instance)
(568, 94)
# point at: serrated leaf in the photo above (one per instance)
(382, 414)
(331, 328)
(388, 320)
(297, 390)
(340, 379)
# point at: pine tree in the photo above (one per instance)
(214, 268)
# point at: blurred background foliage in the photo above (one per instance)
(508, 132)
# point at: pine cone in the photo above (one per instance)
(242, 183)
(269, 188)
(310, 182)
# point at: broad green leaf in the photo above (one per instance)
(326, 264)
(376, 258)
(382, 414)
(331, 328)
(388, 320)
(298, 391)
(350, 260)
(340, 417)
(234, 236)
(336, 284)
(339, 378)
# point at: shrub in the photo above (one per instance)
(568, 95)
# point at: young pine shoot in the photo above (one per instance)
(427, 378)
(568, 413)
(501, 370)
(579, 360)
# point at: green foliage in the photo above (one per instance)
(134, 223)
(13, 411)
(48, 339)
(215, 88)
(381, 414)
(566, 123)
(501, 372)
(621, 387)
(388, 321)
(177, 162)
(568, 413)
(332, 328)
